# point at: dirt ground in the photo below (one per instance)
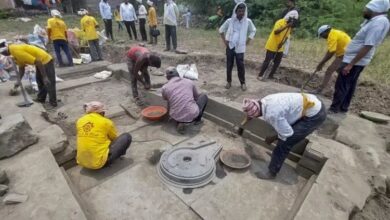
(377, 207)
(369, 96)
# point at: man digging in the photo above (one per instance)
(234, 33)
(138, 60)
(293, 116)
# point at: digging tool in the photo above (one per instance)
(241, 129)
(27, 100)
(307, 82)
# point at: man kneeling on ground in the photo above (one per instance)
(97, 142)
(293, 116)
(185, 103)
(138, 60)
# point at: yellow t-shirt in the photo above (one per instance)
(25, 54)
(152, 17)
(94, 135)
(338, 42)
(88, 25)
(275, 39)
(117, 15)
(57, 28)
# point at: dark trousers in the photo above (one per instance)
(153, 40)
(170, 33)
(230, 55)
(119, 25)
(51, 89)
(118, 147)
(108, 26)
(128, 25)
(345, 88)
(133, 78)
(269, 56)
(302, 129)
(94, 47)
(202, 103)
(62, 44)
(142, 29)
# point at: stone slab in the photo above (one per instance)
(54, 138)
(82, 70)
(115, 111)
(375, 117)
(49, 197)
(75, 83)
(141, 196)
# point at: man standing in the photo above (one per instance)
(360, 52)
(129, 17)
(185, 103)
(142, 13)
(337, 43)
(234, 34)
(24, 55)
(138, 60)
(152, 21)
(89, 25)
(97, 142)
(171, 14)
(105, 12)
(118, 18)
(293, 116)
(275, 43)
(56, 32)
(290, 7)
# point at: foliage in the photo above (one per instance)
(345, 15)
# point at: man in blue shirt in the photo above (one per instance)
(360, 52)
(105, 12)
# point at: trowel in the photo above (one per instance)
(27, 100)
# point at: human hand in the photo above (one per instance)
(46, 81)
(347, 69)
(226, 43)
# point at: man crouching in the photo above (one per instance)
(185, 103)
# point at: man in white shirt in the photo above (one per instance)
(234, 34)
(171, 14)
(129, 17)
(105, 12)
(293, 116)
(142, 13)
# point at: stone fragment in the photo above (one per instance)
(3, 177)
(379, 183)
(15, 135)
(14, 198)
(375, 117)
(3, 189)
(54, 138)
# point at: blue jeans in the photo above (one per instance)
(302, 128)
(62, 44)
(345, 88)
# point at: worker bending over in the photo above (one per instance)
(337, 43)
(185, 103)
(293, 116)
(97, 142)
(138, 60)
(24, 55)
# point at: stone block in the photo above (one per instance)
(378, 183)
(54, 138)
(15, 135)
(3, 177)
(3, 189)
(14, 198)
(304, 172)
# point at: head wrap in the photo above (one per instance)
(3, 45)
(378, 6)
(251, 107)
(292, 14)
(94, 107)
(84, 12)
(55, 13)
(150, 3)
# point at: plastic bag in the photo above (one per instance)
(86, 58)
(188, 71)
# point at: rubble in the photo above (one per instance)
(54, 138)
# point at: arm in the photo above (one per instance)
(22, 70)
(195, 92)
(362, 53)
(326, 58)
(222, 31)
(135, 15)
(280, 30)
(176, 11)
(252, 32)
(121, 11)
(137, 67)
(101, 10)
(112, 133)
(281, 126)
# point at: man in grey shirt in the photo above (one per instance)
(360, 52)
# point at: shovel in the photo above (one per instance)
(27, 100)
(308, 81)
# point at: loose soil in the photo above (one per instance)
(369, 96)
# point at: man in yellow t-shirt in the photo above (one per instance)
(97, 142)
(89, 25)
(24, 55)
(337, 43)
(56, 29)
(152, 21)
(118, 18)
(275, 43)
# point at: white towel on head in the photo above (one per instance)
(292, 14)
(150, 3)
(55, 13)
(378, 6)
